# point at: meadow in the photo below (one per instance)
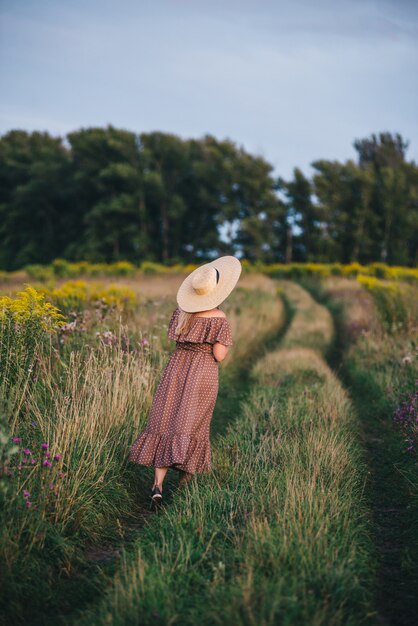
(310, 514)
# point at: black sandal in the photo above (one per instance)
(156, 496)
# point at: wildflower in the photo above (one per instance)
(57, 457)
(26, 451)
(107, 337)
(406, 417)
(47, 455)
(19, 467)
(61, 474)
(28, 503)
(144, 342)
(34, 424)
(17, 440)
(69, 327)
(47, 463)
(26, 493)
(33, 461)
(44, 446)
(125, 343)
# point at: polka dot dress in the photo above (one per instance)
(178, 428)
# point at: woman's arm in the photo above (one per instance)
(220, 351)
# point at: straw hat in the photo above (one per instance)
(208, 285)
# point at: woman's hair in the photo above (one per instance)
(184, 321)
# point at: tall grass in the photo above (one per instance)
(86, 401)
(279, 532)
(380, 366)
(311, 324)
(397, 303)
(63, 269)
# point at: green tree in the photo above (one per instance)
(393, 200)
(304, 215)
(36, 198)
(109, 188)
(344, 191)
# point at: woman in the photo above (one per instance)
(178, 428)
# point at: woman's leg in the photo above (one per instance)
(159, 476)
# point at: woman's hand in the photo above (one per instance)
(220, 351)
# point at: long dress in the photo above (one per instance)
(178, 428)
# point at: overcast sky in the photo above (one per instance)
(290, 80)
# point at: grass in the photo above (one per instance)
(294, 524)
(88, 396)
(378, 366)
(279, 532)
(311, 325)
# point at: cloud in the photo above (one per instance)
(295, 81)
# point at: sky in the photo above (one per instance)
(293, 80)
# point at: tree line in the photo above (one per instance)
(106, 194)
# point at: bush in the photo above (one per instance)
(43, 273)
(379, 270)
(149, 267)
(63, 269)
(390, 301)
(24, 321)
(75, 295)
(66, 269)
(122, 268)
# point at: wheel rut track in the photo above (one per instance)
(238, 379)
(396, 597)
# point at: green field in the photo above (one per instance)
(310, 515)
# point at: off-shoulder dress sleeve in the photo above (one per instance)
(172, 324)
(223, 333)
(204, 329)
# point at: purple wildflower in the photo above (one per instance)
(57, 457)
(44, 446)
(406, 417)
(17, 440)
(33, 461)
(26, 451)
(407, 412)
(26, 493)
(28, 503)
(47, 463)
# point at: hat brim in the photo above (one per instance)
(229, 268)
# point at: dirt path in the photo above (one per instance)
(102, 560)
(395, 530)
(387, 492)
